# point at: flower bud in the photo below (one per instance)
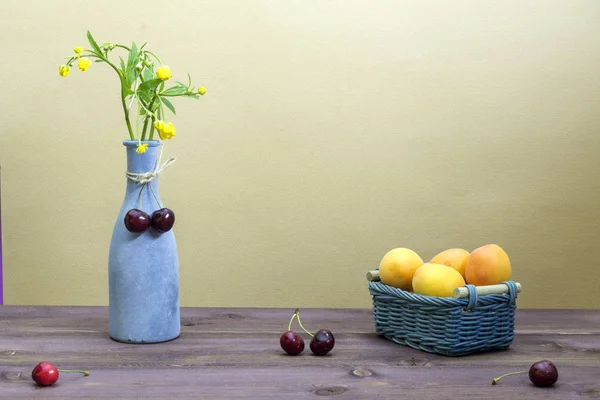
(83, 64)
(159, 125)
(167, 132)
(163, 73)
(64, 70)
(201, 90)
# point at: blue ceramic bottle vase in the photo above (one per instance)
(143, 268)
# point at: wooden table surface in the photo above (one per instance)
(226, 353)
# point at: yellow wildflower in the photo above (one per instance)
(165, 130)
(78, 50)
(64, 70)
(163, 73)
(83, 64)
(168, 131)
(141, 148)
(201, 90)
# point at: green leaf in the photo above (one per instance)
(131, 76)
(131, 72)
(174, 91)
(155, 106)
(93, 43)
(149, 85)
(148, 74)
(169, 105)
(122, 63)
(145, 96)
(133, 57)
(131, 63)
(126, 90)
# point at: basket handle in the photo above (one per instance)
(501, 288)
(373, 275)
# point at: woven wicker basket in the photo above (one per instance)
(444, 325)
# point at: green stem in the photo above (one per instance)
(152, 127)
(123, 95)
(141, 191)
(496, 380)
(153, 55)
(122, 46)
(147, 109)
(137, 122)
(154, 194)
(160, 116)
(133, 97)
(300, 323)
(85, 373)
(126, 111)
(144, 129)
(292, 319)
(71, 60)
(146, 121)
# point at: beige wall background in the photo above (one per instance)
(331, 132)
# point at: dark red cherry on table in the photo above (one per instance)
(291, 343)
(136, 221)
(162, 220)
(45, 374)
(543, 373)
(322, 342)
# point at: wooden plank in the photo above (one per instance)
(92, 350)
(273, 320)
(299, 383)
(234, 353)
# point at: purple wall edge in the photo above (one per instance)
(1, 280)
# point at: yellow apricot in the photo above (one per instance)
(398, 266)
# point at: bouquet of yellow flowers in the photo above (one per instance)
(143, 77)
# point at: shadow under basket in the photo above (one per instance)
(445, 325)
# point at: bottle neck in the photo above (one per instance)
(144, 162)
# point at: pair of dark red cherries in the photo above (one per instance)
(321, 342)
(138, 221)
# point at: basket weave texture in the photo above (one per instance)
(444, 325)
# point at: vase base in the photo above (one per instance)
(144, 341)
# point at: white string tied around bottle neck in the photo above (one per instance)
(149, 176)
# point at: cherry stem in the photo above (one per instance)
(154, 194)
(141, 191)
(300, 323)
(496, 380)
(85, 373)
(292, 319)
